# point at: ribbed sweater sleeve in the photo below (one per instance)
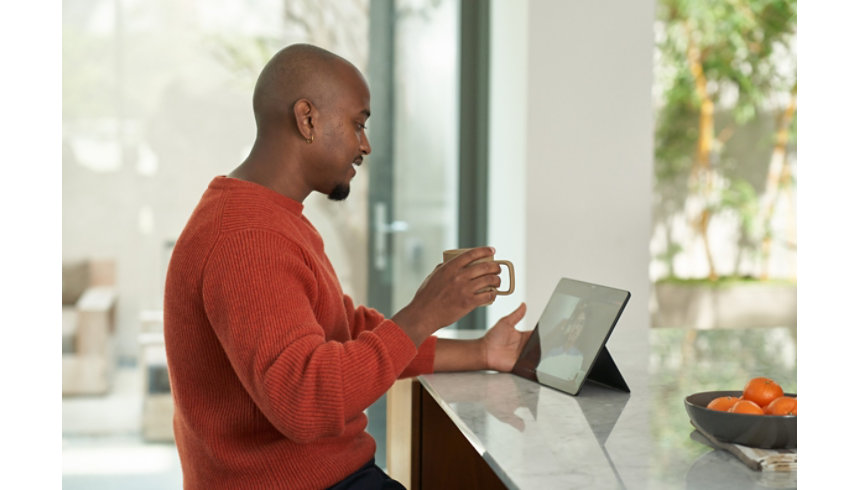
(266, 299)
(367, 318)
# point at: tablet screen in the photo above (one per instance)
(571, 332)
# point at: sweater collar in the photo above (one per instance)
(230, 183)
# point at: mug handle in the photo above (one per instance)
(512, 277)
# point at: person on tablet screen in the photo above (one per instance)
(560, 357)
(271, 365)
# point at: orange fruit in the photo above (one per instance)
(783, 405)
(762, 391)
(746, 406)
(722, 403)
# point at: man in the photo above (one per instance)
(271, 365)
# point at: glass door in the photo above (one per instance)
(414, 166)
(414, 78)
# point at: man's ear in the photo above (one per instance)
(305, 115)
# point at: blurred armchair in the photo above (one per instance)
(89, 317)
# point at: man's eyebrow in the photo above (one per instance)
(366, 112)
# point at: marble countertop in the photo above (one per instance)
(535, 437)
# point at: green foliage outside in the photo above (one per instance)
(727, 73)
(726, 281)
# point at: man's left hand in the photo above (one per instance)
(502, 344)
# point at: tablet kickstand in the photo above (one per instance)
(605, 372)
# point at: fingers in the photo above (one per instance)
(472, 255)
(516, 316)
(485, 297)
(481, 269)
(479, 276)
(459, 285)
(483, 282)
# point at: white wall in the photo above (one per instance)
(571, 161)
(507, 130)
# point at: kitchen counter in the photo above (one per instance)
(524, 435)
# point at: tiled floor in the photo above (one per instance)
(102, 443)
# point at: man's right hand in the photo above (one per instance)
(449, 293)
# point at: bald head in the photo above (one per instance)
(311, 107)
(299, 71)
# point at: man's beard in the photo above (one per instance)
(339, 193)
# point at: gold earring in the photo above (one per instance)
(309, 140)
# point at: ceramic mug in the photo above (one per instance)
(450, 254)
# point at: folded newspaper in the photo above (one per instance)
(755, 458)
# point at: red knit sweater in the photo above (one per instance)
(271, 365)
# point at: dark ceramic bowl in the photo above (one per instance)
(762, 431)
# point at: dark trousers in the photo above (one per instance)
(368, 477)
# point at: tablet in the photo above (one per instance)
(567, 346)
